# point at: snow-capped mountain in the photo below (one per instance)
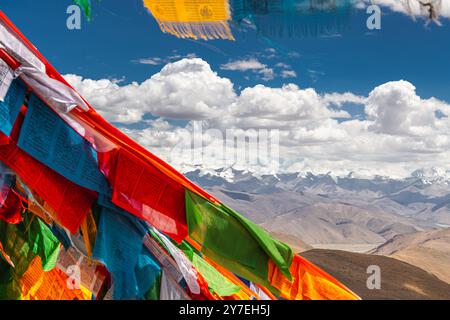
(325, 208)
(432, 175)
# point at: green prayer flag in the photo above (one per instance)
(85, 5)
(280, 253)
(31, 238)
(153, 292)
(234, 241)
(44, 243)
(216, 281)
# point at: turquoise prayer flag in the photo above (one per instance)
(119, 246)
(10, 107)
(49, 139)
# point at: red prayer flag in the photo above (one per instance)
(141, 189)
(70, 201)
(10, 206)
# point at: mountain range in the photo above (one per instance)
(400, 225)
(328, 209)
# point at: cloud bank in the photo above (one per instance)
(399, 132)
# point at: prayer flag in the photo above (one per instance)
(70, 202)
(10, 203)
(10, 106)
(141, 189)
(53, 285)
(205, 19)
(309, 283)
(49, 139)
(234, 242)
(119, 245)
(85, 5)
(22, 242)
(292, 18)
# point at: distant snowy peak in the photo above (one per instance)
(432, 175)
(426, 176)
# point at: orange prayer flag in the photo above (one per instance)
(52, 285)
(309, 283)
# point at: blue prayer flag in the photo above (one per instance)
(50, 140)
(119, 245)
(10, 107)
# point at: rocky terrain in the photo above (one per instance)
(400, 225)
(429, 250)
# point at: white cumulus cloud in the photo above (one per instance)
(252, 64)
(399, 132)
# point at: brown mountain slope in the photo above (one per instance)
(399, 280)
(298, 245)
(429, 250)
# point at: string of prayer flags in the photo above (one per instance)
(210, 19)
(132, 227)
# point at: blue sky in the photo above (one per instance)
(357, 61)
(382, 127)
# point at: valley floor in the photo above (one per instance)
(358, 248)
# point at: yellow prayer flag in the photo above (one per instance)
(205, 19)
